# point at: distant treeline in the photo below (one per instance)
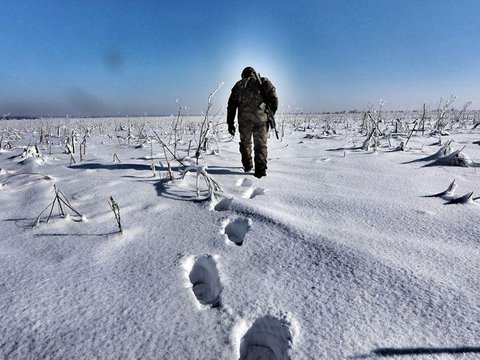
(18, 117)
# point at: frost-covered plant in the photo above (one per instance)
(201, 172)
(31, 151)
(371, 121)
(207, 124)
(166, 148)
(442, 109)
(476, 121)
(176, 137)
(62, 202)
(460, 115)
(205, 134)
(404, 146)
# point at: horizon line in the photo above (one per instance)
(352, 111)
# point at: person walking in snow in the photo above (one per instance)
(252, 95)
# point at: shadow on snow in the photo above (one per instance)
(114, 166)
(391, 352)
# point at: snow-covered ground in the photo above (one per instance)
(336, 254)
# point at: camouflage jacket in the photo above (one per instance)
(247, 96)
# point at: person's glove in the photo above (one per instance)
(231, 129)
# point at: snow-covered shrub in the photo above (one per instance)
(31, 151)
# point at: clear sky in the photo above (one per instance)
(138, 57)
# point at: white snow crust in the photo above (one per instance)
(336, 254)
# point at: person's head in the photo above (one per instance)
(247, 72)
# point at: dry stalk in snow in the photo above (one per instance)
(410, 135)
(374, 132)
(206, 125)
(165, 147)
(60, 200)
(116, 213)
(442, 110)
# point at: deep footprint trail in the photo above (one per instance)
(237, 230)
(254, 192)
(267, 338)
(206, 281)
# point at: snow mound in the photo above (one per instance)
(445, 150)
(457, 158)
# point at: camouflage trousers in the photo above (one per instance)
(253, 125)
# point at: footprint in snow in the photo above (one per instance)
(224, 204)
(244, 182)
(251, 192)
(237, 229)
(267, 338)
(323, 160)
(206, 281)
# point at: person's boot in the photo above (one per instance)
(247, 165)
(260, 173)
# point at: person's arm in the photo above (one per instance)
(232, 106)
(232, 109)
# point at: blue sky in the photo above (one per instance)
(138, 57)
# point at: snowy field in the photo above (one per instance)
(338, 253)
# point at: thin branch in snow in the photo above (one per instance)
(60, 200)
(116, 213)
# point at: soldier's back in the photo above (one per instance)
(250, 95)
